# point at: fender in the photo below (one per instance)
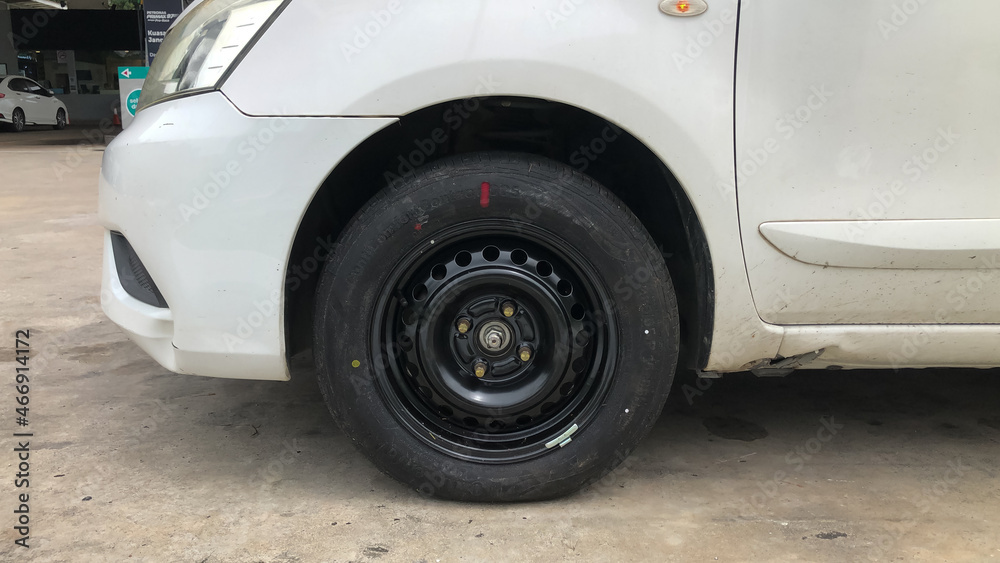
(667, 81)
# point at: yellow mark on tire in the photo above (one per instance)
(355, 364)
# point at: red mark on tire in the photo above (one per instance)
(484, 195)
(418, 226)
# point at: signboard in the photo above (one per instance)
(130, 79)
(68, 58)
(159, 15)
(132, 72)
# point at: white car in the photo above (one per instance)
(24, 102)
(500, 226)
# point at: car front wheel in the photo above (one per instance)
(498, 327)
(60, 120)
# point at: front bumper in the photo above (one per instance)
(211, 199)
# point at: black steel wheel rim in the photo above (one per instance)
(481, 294)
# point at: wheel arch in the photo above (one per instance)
(617, 158)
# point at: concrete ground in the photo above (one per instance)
(130, 462)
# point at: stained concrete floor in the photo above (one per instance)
(130, 462)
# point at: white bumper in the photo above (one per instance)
(211, 199)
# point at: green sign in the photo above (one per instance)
(132, 72)
(132, 101)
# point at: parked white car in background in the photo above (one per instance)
(501, 225)
(24, 102)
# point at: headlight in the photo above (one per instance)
(199, 49)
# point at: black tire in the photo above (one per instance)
(60, 120)
(455, 240)
(17, 120)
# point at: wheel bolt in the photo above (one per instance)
(463, 325)
(508, 308)
(480, 368)
(524, 352)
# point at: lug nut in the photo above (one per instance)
(508, 309)
(524, 352)
(480, 368)
(463, 325)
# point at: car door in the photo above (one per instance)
(38, 98)
(18, 93)
(868, 158)
(26, 100)
(46, 107)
